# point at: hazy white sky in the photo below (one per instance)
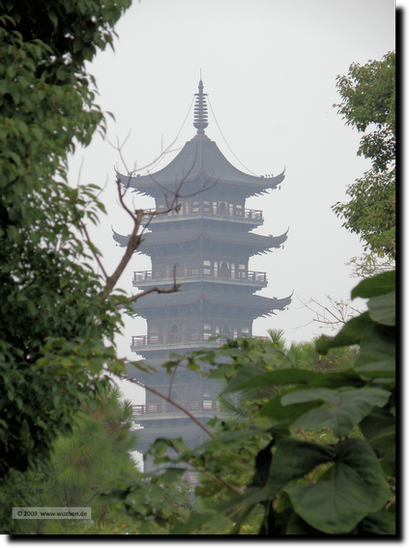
(269, 67)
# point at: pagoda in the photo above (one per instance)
(206, 244)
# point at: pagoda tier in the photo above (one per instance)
(231, 304)
(183, 240)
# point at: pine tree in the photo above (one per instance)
(93, 459)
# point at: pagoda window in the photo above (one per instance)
(195, 208)
(242, 271)
(173, 336)
(224, 270)
(207, 327)
(222, 208)
(214, 208)
(231, 210)
(207, 399)
(239, 210)
(245, 331)
(206, 207)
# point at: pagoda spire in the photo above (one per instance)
(200, 115)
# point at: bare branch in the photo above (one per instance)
(133, 243)
(90, 245)
(339, 313)
(174, 288)
(192, 417)
(169, 400)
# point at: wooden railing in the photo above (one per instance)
(170, 338)
(180, 338)
(226, 273)
(168, 408)
(192, 209)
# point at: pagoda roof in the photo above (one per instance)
(167, 237)
(200, 159)
(264, 305)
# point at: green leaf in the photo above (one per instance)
(350, 490)
(293, 459)
(377, 353)
(344, 408)
(377, 285)
(275, 410)
(350, 334)
(382, 308)
(379, 523)
(379, 429)
(297, 376)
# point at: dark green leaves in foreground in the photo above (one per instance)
(307, 452)
(351, 489)
(311, 487)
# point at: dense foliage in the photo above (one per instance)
(94, 457)
(314, 451)
(56, 331)
(368, 99)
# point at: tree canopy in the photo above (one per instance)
(368, 101)
(56, 331)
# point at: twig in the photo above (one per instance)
(90, 245)
(169, 400)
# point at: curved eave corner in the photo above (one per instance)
(136, 185)
(272, 182)
(277, 241)
(119, 239)
(122, 241)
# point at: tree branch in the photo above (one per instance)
(169, 400)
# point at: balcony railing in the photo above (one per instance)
(179, 338)
(191, 209)
(168, 408)
(226, 273)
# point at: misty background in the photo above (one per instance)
(269, 69)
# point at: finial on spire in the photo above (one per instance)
(200, 115)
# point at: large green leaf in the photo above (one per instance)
(377, 285)
(382, 308)
(379, 429)
(350, 490)
(377, 354)
(344, 408)
(350, 334)
(293, 459)
(276, 411)
(295, 376)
